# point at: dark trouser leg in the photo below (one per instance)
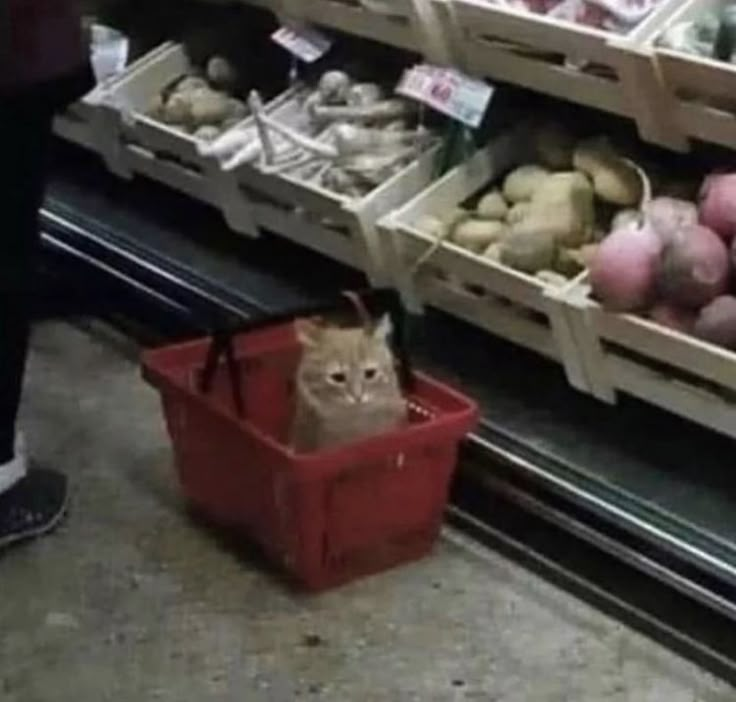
(28, 131)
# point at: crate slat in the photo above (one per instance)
(675, 371)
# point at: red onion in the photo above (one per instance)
(694, 268)
(622, 273)
(718, 204)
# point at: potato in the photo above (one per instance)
(528, 251)
(156, 107)
(208, 107)
(625, 217)
(563, 204)
(189, 84)
(493, 252)
(236, 109)
(614, 180)
(518, 212)
(177, 110)
(568, 262)
(492, 206)
(716, 322)
(478, 234)
(221, 73)
(522, 182)
(585, 254)
(554, 146)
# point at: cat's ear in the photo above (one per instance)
(383, 328)
(309, 332)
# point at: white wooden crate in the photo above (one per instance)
(336, 225)
(543, 54)
(674, 371)
(90, 122)
(693, 80)
(400, 28)
(160, 152)
(505, 302)
(141, 133)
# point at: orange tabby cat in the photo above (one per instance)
(347, 387)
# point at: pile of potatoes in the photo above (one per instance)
(201, 103)
(546, 218)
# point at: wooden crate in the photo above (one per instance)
(160, 152)
(399, 29)
(544, 54)
(91, 123)
(505, 302)
(155, 142)
(693, 80)
(338, 226)
(674, 371)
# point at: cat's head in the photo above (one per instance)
(346, 366)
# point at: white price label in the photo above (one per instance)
(448, 91)
(305, 43)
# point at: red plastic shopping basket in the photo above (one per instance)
(327, 517)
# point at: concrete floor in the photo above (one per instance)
(130, 601)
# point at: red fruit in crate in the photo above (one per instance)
(718, 205)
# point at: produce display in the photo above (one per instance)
(619, 16)
(545, 218)
(675, 261)
(201, 103)
(347, 136)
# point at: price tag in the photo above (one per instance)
(305, 43)
(447, 90)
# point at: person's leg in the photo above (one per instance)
(28, 131)
(31, 502)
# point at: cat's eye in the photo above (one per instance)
(370, 373)
(338, 378)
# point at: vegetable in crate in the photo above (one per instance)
(717, 322)
(615, 180)
(523, 182)
(624, 269)
(718, 205)
(347, 387)
(694, 267)
(673, 317)
(478, 234)
(193, 106)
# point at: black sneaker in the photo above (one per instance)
(33, 506)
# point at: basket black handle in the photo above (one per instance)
(376, 301)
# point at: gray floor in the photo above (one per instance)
(130, 601)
